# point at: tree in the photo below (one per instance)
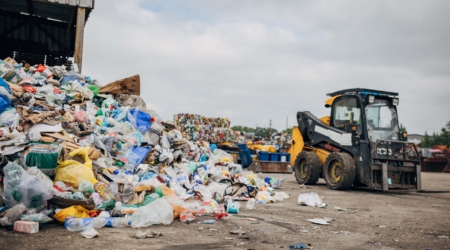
(442, 138)
(264, 132)
(288, 131)
(243, 129)
(402, 129)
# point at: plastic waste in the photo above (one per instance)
(73, 212)
(233, 207)
(157, 212)
(280, 196)
(21, 187)
(311, 199)
(204, 191)
(13, 214)
(40, 217)
(85, 186)
(187, 217)
(117, 222)
(34, 135)
(251, 204)
(89, 232)
(79, 224)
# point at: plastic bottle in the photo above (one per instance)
(117, 208)
(117, 222)
(251, 204)
(128, 192)
(79, 224)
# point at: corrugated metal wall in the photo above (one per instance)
(38, 36)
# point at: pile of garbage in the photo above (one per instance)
(196, 127)
(90, 156)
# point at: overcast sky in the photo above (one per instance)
(255, 61)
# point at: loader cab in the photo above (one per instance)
(382, 120)
(373, 112)
(346, 112)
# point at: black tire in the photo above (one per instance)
(307, 168)
(339, 171)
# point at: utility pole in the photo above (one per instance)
(287, 121)
(270, 128)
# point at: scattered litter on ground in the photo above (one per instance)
(298, 246)
(147, 234)
(324, 221)
(239, 232)
(311, 199)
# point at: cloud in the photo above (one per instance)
(256, 61)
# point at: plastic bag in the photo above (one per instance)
(79, 115)
(40, 217)
(85, 92)
(157, 212)
(139, 119)
(71, 170)
(9, 118)
(39, 174)
(13, 214)
(205, 193)
(44, 156)
(311, 199)
(72, 211)
(47, 89)
(21, 187)
(85, 187)
(5, 103)
(280, 196)
(34, 135)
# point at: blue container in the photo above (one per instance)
(245, 156)
(264, 156)
(274, 157)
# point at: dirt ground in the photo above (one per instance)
(394, 220)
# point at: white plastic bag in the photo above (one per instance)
(206, 194)
(34, 134)
(157, 212)
(12, 215)
(280, 196)
(311, 199)
(21, 187)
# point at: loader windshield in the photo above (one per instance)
(382, 122)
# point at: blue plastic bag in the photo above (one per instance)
(5, 103)
(5, 85)
(140, 120)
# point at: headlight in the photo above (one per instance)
(395, 102)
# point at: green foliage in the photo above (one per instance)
(288, 131)
(243, 128)
(402, 129)
(442, 138)
(264, 132)
(259, 131)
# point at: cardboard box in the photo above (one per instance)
(29, 227)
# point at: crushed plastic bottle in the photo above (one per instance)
(79, 224)
(251, 204)
(117, 222)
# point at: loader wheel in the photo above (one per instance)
(307, 168)
(339, 171)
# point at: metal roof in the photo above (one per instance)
(363, 91)
(38, 30)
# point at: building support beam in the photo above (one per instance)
(79, 35)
